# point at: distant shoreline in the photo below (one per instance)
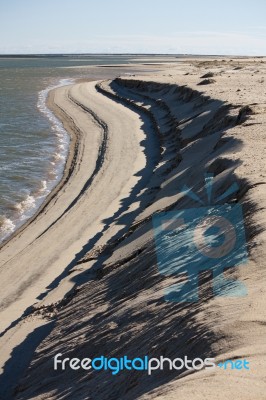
(124, 54)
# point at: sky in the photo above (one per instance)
(232, 27)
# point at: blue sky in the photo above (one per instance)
(137, 26)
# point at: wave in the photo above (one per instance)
(7, 227)
(32, 201)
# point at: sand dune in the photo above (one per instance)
(136, 143)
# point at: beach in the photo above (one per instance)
(81, 276)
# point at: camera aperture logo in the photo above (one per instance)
(192, 240)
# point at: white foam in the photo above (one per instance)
(43, 186)
(62, 137)
(56, 126)
(28, 203)
(6, 227)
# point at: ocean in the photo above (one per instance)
(33, 142)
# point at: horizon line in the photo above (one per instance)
(124, 54)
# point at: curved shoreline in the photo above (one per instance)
(68, 168)
(73, 133)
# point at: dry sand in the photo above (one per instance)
(82, 277)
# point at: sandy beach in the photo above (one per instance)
(81, 277)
